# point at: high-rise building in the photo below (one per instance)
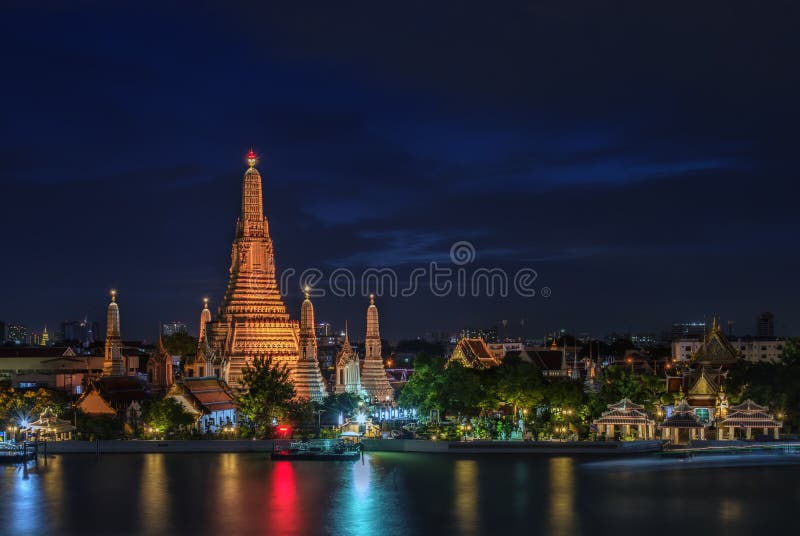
(83, 332)
(487, 334)
(173, 327)
(373, 374)
(765, 325)
(252, 321)
(688, 330)
(18, 334)
(45, 340)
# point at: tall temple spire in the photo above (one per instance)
(308, 382)
(251, 322)
(373, 342)
(205, 318)
(373, 375)
(308, 337)
(113, 363)
(252, 202)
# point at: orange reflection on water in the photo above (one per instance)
(228, 511)
(284, 509)
(562, 518)
(154, 498)
(466, 496)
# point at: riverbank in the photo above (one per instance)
(579, 448)
(605, 448)
(176, 446)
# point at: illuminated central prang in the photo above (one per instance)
(251, 321)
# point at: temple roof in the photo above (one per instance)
(716, 349)
(624, 412)
(473, 353)
(625, 404)
(682, 417)
(748, 405)
(704, 385)
(208, 394)
(547, 359)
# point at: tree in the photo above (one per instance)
(166, 415)
(424, 390)
(180, 343)
(17, 405)
(98, 426)
(269, 390)
(343, 404)
(776, 385)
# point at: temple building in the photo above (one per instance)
(48, 427)
(209, 400)
(308, 382)
(159, 367)
(206, 362)
(473, 353)
(702, 377)
(114, 363)
(348, 369)
(252, 321)
(374, 380)
(628, 417)
(683, 425)
(120, 396)
(746, 417)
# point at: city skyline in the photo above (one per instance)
(639, 203)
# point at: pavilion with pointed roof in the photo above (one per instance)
(49, 427)
(628, 416)
(748, 416)
(683, 425)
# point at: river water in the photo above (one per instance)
(388, 494)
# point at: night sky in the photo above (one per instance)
(643, 160)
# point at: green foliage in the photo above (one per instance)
(268, 395)
(343, 404)
(180, 344)
(27, 403)
(423, 390)
(166, 415)
(98, 426)
(776, 385)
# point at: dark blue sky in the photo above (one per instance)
(641, 159)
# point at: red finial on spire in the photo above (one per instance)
(251, 154)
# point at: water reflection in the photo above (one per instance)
(284, 509)
(730, 511)
(465, 490)
(227, 502)
(25, 499)
(153, 496)
(562, 516)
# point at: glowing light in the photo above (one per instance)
(361, 418)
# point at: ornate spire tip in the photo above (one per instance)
(372, 299)
(306, 290)
(251, 158)
(113, 295)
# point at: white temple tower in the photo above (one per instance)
(373, 376)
